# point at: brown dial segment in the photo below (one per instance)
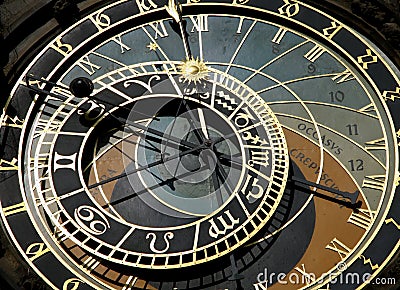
(331, 224)
(111, 163)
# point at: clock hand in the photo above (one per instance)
(175, 10)
(147, 139)
(83, 87)
(220, 171)
(169, 158)
(148, 146)
(29, 79)
(223, 138)
(199, 134)
(203, 123)
(230, 158)
(352, 196)
(167, 182)
(211, 161)
(235, 271)
(165, 137)
(216, 185)
(80, 87)
(305, 184)
(188, 110)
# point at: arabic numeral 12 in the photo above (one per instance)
(356, 165)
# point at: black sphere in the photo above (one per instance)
(81, 87)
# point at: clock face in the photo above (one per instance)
(210, 145)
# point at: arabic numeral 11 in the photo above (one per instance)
(353, 129)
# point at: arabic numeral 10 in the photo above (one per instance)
(337, 97)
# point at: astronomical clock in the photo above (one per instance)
(207, 144)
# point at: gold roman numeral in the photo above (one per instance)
(377, 144)
(6, 165)
(159, 29)
(87, 65)
(376, 182)
(200, 23)
(307, 277)
(14, 209)
(261, 285)
(279, 35)
(340, 248)
(314, 53)
(344, 76)
(363, 218)
(103, 21)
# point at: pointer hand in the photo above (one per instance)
(155, 163)
(175, 10)
(203, 123)
(305, 184)
(169, 182)
(30, 79)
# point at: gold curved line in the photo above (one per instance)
(240, 45)
(326, 104)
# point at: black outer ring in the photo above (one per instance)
(387, 235)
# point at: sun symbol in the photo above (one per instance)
(193, 70)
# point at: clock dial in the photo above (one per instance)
(243, 145)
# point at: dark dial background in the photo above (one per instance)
(26, 24)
